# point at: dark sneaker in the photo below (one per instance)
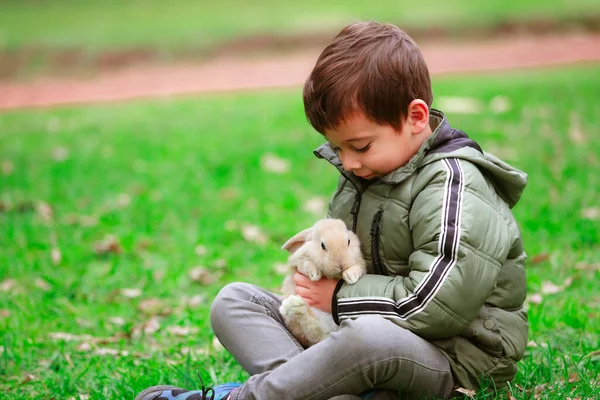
(161, 392)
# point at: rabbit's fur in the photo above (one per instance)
(327, 249)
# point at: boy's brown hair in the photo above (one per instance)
(372, 68)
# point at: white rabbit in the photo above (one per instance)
(327, 249)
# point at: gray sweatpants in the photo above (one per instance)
(367, 353)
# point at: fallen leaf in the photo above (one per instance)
(532, 343)
(109, 244)
(219, 263)
(42, 284)
(500, 104)
(460, 105)
(4, 313)
(281, 268)
(466, 392)
(60, 153)
(68, 337)
(253, 234)
(575, 131)
(123, 200)
(103, 351)
(45, 211)
(7, 168)
(27, 378)
(181, 330)
(84, 347)
(117, 321)
(582, 266)
(540, 258)
(573, 377)
(535, 298)
(195, 301)
(271, 163)
(203, 275)
(158, 275)
(591, 213)
(55, 255)
(153, 306)
(131, 293)
(7, 285)
(550, 288)
(316, 206)
(200, 250)
(69, 361)
(196, 351)
(216, 345)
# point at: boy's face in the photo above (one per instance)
(371, 150)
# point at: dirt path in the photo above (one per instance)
(229, 74)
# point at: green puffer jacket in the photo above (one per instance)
(443, 250)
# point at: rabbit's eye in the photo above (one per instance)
(323, 246)
(348, 242)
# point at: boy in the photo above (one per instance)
(442, 303)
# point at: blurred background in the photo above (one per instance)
(65, 37)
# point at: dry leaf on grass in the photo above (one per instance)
(204, 276)
(466, 392)
(7, 285)
(216, 345)
(540, 258)
(44, 211)
(108, 245)
(42, 284)
(55, 256)
(119, 321)
(583, 266)
(535, 298)
(153, 306)
(60, 153)
(194, 351)
(592, 213)
(149, 327)
(27, 378)
(254, 234)
(316, 206)
(500, 104)
(281, 268)
(131, 293)
(176, 330)
(4, 313)
(200, 250)
(459, 105)
(271, 163)
(7, 168)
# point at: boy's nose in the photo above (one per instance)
(349, 163)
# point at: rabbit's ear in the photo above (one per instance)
(297, 240)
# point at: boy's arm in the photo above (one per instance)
(460, 242)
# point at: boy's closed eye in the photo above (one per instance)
(363, 149)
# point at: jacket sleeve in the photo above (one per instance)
(460, 241)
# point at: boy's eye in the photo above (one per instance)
(363, 149)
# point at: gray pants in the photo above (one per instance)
(367, 353)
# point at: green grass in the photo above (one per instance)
(112, 24)
(165, 176)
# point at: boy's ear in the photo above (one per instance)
(297, 240)
(418, 116)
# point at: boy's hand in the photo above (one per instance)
(316, 293)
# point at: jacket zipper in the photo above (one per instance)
(377, 266)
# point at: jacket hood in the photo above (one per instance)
(446, 142)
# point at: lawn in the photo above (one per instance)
(119, 223)
(98, 25)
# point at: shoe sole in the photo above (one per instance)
(152, 392)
